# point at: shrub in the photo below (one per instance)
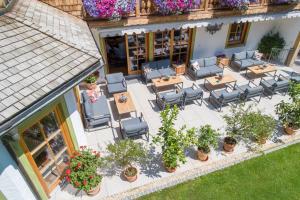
(270, 41)
(206, 137)
(91, 79)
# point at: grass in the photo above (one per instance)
(274, 176)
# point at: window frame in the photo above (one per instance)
(243, 39)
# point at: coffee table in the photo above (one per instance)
(215, 81)
(160, 82)
(124, 107)
(260, 70)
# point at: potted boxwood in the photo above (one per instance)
(173, 142)
(259, 126)
(123, 154)
(82, 171)
(91, 81)
(289, 112)
(207, 137)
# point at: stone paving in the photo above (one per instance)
(152, 175)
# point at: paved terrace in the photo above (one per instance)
(152, 175)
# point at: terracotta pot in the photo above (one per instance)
(262, 141)
(170, 169)
(202, 155)
(94, 191)
(229, 144)
(91, 86)
(130, 178)
(289, 130)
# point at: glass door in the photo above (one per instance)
(180, 46)
(137, 52)
(162, 45)
(47, 147)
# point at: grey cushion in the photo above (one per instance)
(153, 74)
(190, 92)
(214, 69)
(210, 61)
(96, 109)
(171, 96)
(133, 125)
(163, 63)
(240, 56)
(268, 83)
(200, 62)
(257, 62)
(167, 72)
(254, 90)
(114, 78)
(230, 95)
(245, 63)
(250, 54)
(282, 83)
(296, 78)
(116, 88)
(203, 71)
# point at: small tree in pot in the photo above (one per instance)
(82, 171)
(91, 82)
(289, 112)
(206, 137)
(123, 154)
(173, 141)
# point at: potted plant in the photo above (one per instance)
(235, 125)
(271, 41)
(173, 141)
(259, 126)
(123, 154)
(91, 81)
(289, 112)
(82, 170)
(206, 137)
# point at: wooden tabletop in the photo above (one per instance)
(124, 107)
(259, 69)
(158, 82)
(215, 80)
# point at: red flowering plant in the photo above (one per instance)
(82, 169)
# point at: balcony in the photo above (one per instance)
(146, 12)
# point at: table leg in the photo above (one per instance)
(205, 85)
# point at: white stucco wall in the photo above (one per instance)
(207, 45)
(12, 182)
(75, 118)
(288, 29)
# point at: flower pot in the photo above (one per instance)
(94, 191)
(91, 86)
(229, 144)
(262, 140)
(289, 130)
(130, 174)
(202, 155)
(170, 169)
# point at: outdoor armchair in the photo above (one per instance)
(169, 98)
(275, 84)
(134, 127)
(193, 93)
(218, 98)
(116, 83)
(249, 91)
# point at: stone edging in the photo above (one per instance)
(175, 179)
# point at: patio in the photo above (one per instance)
(193, 116)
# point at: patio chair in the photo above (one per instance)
(222, 97)
(275, 84)
(249, 91)
(295, 77)
(134, 127)
(95, 113)
(192, 94)
(170, 98)
(116, 83)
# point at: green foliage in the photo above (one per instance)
(289, 112)
(125, 152)
(82, 170)
(206, 137)
(173, 141)
(269, 41)
(91, 79)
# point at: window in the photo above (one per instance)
(237, 34)
(137, 51)
(47, 148)
(180, 46)
(162, 45)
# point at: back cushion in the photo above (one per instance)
(240, 56)
(163, 63)
(210, 61)
(199, 61)
(250, 54)
(153, 65)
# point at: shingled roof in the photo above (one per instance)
(41, 48)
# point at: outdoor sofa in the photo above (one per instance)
(203, 67)
(245, 59)
(95, 113)
(275, 84)
(218, 98)
(116, 83)
(157, 69)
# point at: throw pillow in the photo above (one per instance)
(195, 66)
(147, 70)
(257, 55)
(93, 95)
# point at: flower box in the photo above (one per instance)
(241, 5)
(167, 7)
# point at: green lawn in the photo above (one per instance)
(275, 176)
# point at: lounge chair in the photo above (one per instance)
(249, 91)
(169, 98)
(221, 97)
(191, 94)
(95, 113)
(275, 84)
(116, 83)
(134, 127)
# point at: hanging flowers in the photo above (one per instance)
(112, 9)
(167, 7)
(236, 4)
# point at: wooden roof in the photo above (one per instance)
(73, 7)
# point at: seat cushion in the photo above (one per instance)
(230, 95)
(218, 93)
(167, 72)
(282, 83)
(114, 78)
(254, 90)
(268, 83)
(116, 88)
(203, 71)
(153, 74)
(257, 62)
(134, 125)
(190, 92)
(245, 63)
(96, 109)
(171, 96)
(240, 56)
(210, 61)
(250, 54)
(296, 79)
(214, 69)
